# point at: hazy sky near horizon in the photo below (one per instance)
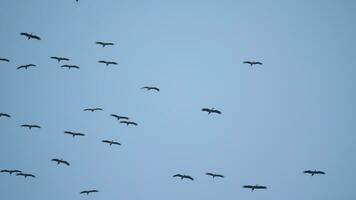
(295, 112)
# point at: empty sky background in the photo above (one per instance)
(295, 112)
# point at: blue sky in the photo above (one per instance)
(296, 112)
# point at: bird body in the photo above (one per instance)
(251, 63)
(254, 187)
(150, 88)
(30, 36)
(26, 66)
(313, 172)
(88, 191)
(107, 63)
(59, 161)
(184, 177)
(212, 110)
(59, 59)
(5, 115)
(70, 66)
(118, 117)
(129, 123)
(25, 175)
(10, 171)
(30, 126)
(93, 109)
(104, 44)
(214, 175)
(74, 133)
(111, 142)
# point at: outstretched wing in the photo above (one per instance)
(177, 175)
(189, 177)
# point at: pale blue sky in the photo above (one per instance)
(296, 112)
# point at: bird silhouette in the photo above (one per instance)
(107, 63)
(212, 110)
(5, 115)
(10, 171)
(314, 172)
(129, 123)
(118, 117)
(25, 175)
(30, 36)
(214, 175)
(93, 109)
(4, 60)
(59, 59)
(111, 142)
(59, 161)
(251, 63)
(104, 44)
(70, 66)
(254, 187)
(183, 177)
(88, 191)
(30, 126)
(150, 88)
(26, 66)
(73, 134)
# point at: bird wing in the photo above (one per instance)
(177, 175)
(106, 141)
(25, 34)
(117, 143)
(65, 162)
(36, 37)
(248, 186)
(209, 174)
(217, 111)
(189, 177)
(260, 187)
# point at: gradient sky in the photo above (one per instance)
(296, 112)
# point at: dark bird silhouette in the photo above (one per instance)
(10, 171)
(59, 161)
(183, 177)
(25, 175)
(254, 187)
(4, 60)
(118, 117)
(59, 59)
(93, 109)
(70, 66)
(26, 66)
(128, 123)
(30, 126)
(30, 36)
(107, 63)
(104, 44)
(88, 191)
(214, 175)
(212, 110)
(251, 63)
(5, 115)
(151, 88)
(111, 142)
(312, 173)
(73, 134)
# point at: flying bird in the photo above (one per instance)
(5, 115)
(73, 134)
(59, 59)
(183, 177)
(26, 66)
(107, 63)
(254, 187)
(70, 66)
(30, 126)
(214, 175)
(151, 88)
(129, 123)
(30, 36)
(59, 161)
(93, 109)
(4, 60)
(118, 117)
(10, 171)
(312, 173)
(252, 63)
(103, 44)
(25, 175)
(111, 142)
(88, 191)
(212, 110)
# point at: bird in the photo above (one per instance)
(111, 142)
(59, 59)
(312, 173)
(93, 109)
(88, 191)
(118, 117)
(73, 134)
(59, 161)
(128, 123)
(107, 63)
(10, 171)
(4, 60)
(26, 66)
(183, 177)
(254, 187)
(151, 88)
(25, 175)
(30, 36)
(252, 63)
(103, 44)
(212, 110)
(5, 115)
(214, 175)
(30, 126)
(70, 66)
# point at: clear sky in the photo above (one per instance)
(296, 112)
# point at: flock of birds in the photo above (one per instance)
(121, 119)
